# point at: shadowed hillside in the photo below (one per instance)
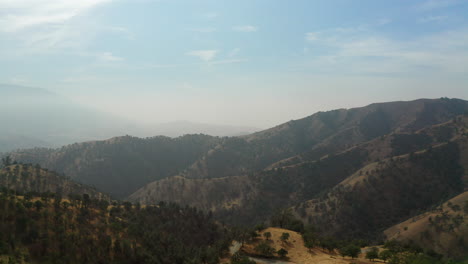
(26, 178)
(387, 192)
(256, 196)
(121, 165)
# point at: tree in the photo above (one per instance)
(309, 244)
(6, 161)
(353, 251)
(328, 243)
(38, 205)
(284, 237)
(265, 249)
(385, 255)
(372, 254)
(350, 250)
(241, 259)
(267, 235)
(282, 252)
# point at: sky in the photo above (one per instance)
(240, 62)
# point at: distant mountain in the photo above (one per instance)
(10, 142)
(121, 165)
(44, 118)
(24, 178)
(180, 128)
(36, 117)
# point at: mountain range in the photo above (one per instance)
(357, 171)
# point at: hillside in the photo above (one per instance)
(259, 194)
(385, 193)
(443, 229)
(38, 230)
(121, 165)
(321, 134)
(26, 178)
(297, 252)
(206, 194)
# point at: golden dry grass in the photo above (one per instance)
(297, 252)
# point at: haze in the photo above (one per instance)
(242, 63)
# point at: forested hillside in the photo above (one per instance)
(39, 230)
(26, 178)
(121, 165)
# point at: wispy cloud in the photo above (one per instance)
(437, 4)
(51, 25)
(211, 15)
(206, 55)
(370, 52)
(203, 29)
(429, 19)
(109, 57)
(233, 52)
(245, 28)
(384, 21)
(22, 14)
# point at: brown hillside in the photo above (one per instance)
(297, 252)
(443, 229)
(384, 193)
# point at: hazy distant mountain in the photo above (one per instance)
(180, 128)
(47, 119)
(34, 117)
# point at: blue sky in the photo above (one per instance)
(242, 62)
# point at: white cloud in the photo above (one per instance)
(17, 15)
(245, 28)
(109, 57)
(206, 55)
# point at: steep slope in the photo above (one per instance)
(322, 133)
(205, 194)
(121, 165)
(443, 229)
(24, 178)
(258, 195)
(384, 193)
